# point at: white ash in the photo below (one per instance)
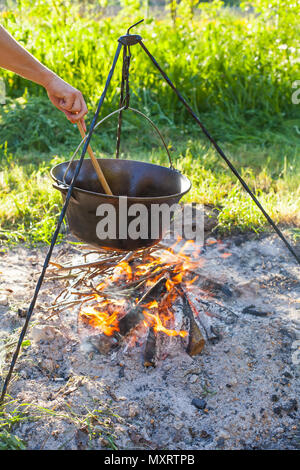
(249, 378)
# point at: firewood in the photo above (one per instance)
(150, 349)
(154, 291)
(130, 321)
(201, 318)
(196, 341)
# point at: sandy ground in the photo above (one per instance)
(246, 383)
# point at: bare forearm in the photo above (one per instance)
(15, 58)
(66, 98)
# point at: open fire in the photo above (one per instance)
(148, 298)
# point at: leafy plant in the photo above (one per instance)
(10, 441)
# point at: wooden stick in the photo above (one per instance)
(95, 163)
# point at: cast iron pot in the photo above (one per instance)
(142, 183)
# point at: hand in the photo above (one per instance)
(67, 99)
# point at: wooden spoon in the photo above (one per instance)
(97, 167)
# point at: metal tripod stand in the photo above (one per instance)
(125, 42)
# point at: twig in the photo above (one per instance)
(66, 304)
(84, 265)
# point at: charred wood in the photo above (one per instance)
(150, 353)
(202, 319)
(130, 321)
(196, 340)
(154, 291)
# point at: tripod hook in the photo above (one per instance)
(135, 24)
(131, 39)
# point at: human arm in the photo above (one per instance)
(15, 58)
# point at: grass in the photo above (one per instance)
(8, 421)
(97, 423)
(10, 441)
(236, 68)
(29, 205)
(234, 62)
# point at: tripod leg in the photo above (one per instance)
(221, 153)
(55, 235)
(121, 103)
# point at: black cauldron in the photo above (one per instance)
(142, 183)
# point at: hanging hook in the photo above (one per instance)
(135, 24)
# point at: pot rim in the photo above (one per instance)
(131, 198)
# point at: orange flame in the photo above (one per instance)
(178, 268)
(155, 321)
(122, 269)
(104, 316)
(108, 324)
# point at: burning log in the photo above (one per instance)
(130, 321)
(150, 353)
(196, 341)
(202, 319)
(165, 340)
(165, 317)
(155, 290)
(104, 341)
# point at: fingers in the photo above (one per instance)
(67, 99)
(72, 103)
(75, 110)
(82, 109)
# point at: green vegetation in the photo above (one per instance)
(8, 421)
(235, 66)
(9, 441)
(96, 423)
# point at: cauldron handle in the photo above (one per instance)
(107, 117)
(84, 139)
(157, 131)
(63, 189)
